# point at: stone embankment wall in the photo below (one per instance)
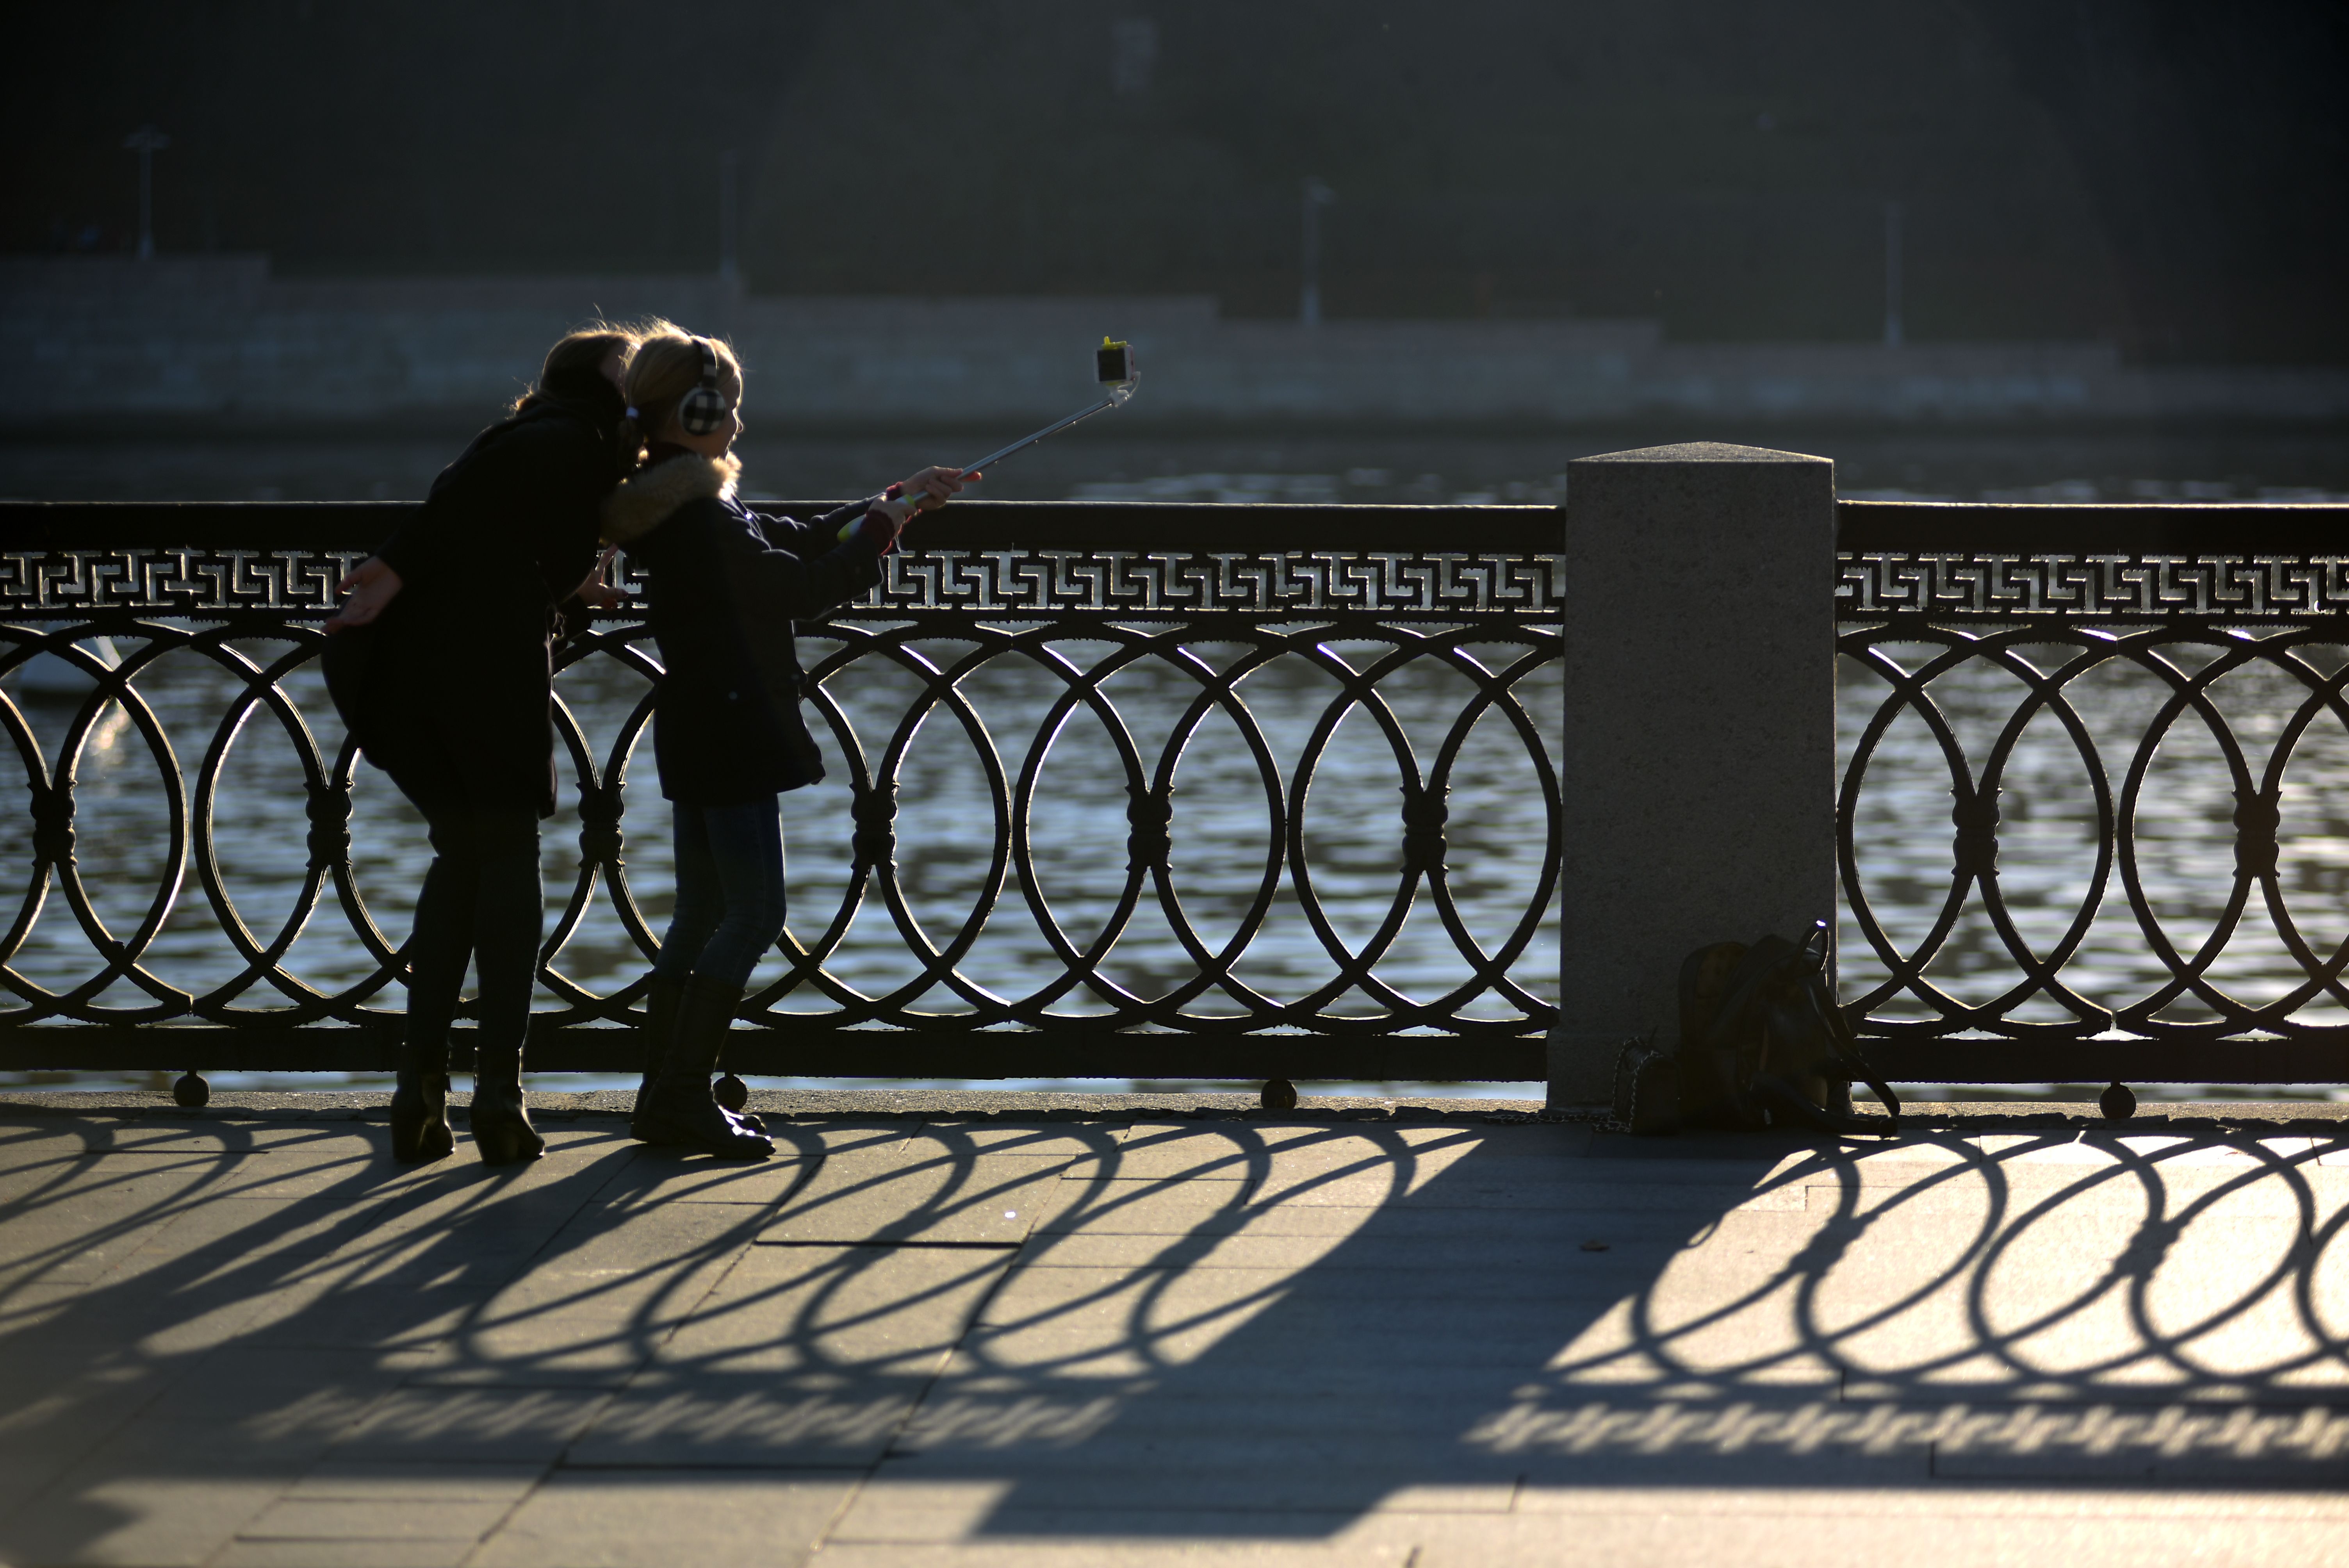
(217, 341)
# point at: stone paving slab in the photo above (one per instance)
(399, 1480)
(664, 1518)
(920, 1192)
(464, 1520)
(951, 1330)
(893, 1311)
(747, 1424)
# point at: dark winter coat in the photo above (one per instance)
(724, 584)
(450, 689)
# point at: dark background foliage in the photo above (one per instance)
(2170, 175)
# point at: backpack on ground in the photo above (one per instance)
(1762, 1042)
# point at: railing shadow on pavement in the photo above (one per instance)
(1181, 1330)
(2132, 1310)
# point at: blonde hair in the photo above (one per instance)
(665, 367)
(576, 352)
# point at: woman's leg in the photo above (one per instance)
(442, 944)
(508, 921)
(701, 904)
(745, 844)
(746, 850)
(439, 948)
(700, 897)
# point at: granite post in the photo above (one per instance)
(1698, 771)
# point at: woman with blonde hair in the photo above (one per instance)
(724, 584)
(442, 665)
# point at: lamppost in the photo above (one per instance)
(1893, 331)
(1317, 196)
(729, 217)
(146, 142)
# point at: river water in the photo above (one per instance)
(2049, 464)
(1352, 827)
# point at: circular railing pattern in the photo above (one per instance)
(2061, 944)
(2175, 685)
(939, 656)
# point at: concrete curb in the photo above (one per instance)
(1969, 1115)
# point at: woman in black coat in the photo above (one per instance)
(723, 586)
(442, 663)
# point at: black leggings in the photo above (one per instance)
(482, 901)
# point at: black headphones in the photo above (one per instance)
(705, 408)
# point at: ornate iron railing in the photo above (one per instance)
(2132, 718)
(1191, 622)
(2144, 701)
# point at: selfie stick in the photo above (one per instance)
(1114, 364)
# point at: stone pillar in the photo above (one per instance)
(1698, 771)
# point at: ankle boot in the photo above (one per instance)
(678, 1108)
(660, 1022)
(419, 1105)
(503, 1134)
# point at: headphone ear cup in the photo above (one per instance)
(702, 411)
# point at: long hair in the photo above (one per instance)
(664, 368)
(575, 353)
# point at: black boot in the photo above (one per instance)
(660, 1022)
(419, 1105)
(436, 954)
(501, 1130)
(507, 916)
(661, 1003)
(678, 1108)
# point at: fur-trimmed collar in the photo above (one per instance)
(646, 500)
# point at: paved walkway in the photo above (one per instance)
(1418, 1338)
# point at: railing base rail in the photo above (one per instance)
(819, 1053)
(1110, 1054)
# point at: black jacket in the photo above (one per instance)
(724, 584)
(450, 689)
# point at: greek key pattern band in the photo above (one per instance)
(1055, 585)
(300, 584)
(53, 584)
(1058, 583)
(2090, 587)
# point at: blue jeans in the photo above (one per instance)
(729, 891)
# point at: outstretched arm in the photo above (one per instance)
(812, 573)
(830, 561)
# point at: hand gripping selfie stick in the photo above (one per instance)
(1113, 366)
